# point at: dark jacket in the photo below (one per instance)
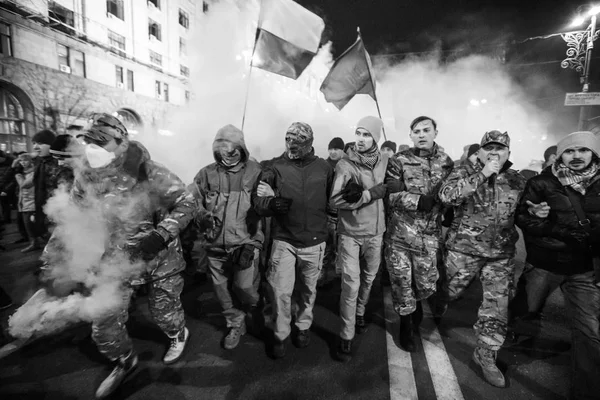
(547, 241)
(7, 174)
(308, 183)
(44, 181)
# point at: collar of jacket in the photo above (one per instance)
(425, 153)
(237, 167)
(301, 162)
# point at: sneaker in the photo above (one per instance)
(344, 350)
(233, 336)
(125, 366)
(486, 359)
(361, 324)
(177, 346)
(278, 349)
(302, 338)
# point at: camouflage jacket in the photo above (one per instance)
(135, 195)
(422, 174)
(484, 215)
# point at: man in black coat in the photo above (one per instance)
(561, 248)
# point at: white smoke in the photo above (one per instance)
(467, 98)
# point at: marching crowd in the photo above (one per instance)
(273, 231)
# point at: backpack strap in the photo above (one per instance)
(584, 221)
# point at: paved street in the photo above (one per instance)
(67, 366)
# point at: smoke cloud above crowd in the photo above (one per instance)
(466, 97)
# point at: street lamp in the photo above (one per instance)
(579, 53)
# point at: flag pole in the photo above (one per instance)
(372, 83)
(250, 72)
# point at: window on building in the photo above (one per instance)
(165, 92)
(115, 7)
(157, 89)
(155, 58)
(184, 19)
(5, 42)
(71, 61)
(183, 70)
(117, 43)
(187, 96)
(130, 85)
(61, 18)
(119, 76)
(204, 6)
(182, 47)
(154, 29)
(155, 3)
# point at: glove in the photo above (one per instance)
(378, 191)
(151, 245)
(206, 223)
(426, 202)
(394, 185)
(243, 257)
(352, 192)
(280, 205)
(252, 221)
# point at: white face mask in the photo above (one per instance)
(97, 156)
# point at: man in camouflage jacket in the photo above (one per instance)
(143, 207)
(482, 240)
(414, 223)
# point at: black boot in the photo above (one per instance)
(417, 316)
(406, 333)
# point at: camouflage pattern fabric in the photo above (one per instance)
(164, 303)
(422, 174)
(413, 274)
(497, 280)
(110, 333)
(329, 258)
(484, 215)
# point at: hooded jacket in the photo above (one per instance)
(136, 195)
(225, 193)
(365, 217)
(551, 250)
(484, 214)
(307, 181)
(421, 175)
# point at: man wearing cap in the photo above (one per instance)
(142, 207)
(414, 225)
(482, 240)
(561, 247)
(336, 152)
(549, 156)
(229, 226)
(301, 184)
(388, 148)
(358, 192)
(472, 153)
(44, 177)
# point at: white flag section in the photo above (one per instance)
(289, 37)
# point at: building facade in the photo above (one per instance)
(62, 60)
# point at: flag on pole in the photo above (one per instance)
(288, 37)
(351, 74)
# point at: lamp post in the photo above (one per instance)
(579, 54)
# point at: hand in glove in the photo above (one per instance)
(394, 185)
(426, 202)
(206, 223)
(352, 192)
(377, 192)
(151, 245)
(280, 205)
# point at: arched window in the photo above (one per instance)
(131, 120)
(13, 121)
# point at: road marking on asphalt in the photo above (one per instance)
(444, 379)
(402, 378)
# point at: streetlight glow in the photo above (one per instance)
(594, 10)
(577, 21)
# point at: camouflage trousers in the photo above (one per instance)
(497, 276)
(110, 333)
(413, 275)
(330, 266)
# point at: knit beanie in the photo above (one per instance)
(336, 143)
(373, 125)
(549, 151)
(578, 139)
(390, 145)
(45, 136)
(473, 149)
